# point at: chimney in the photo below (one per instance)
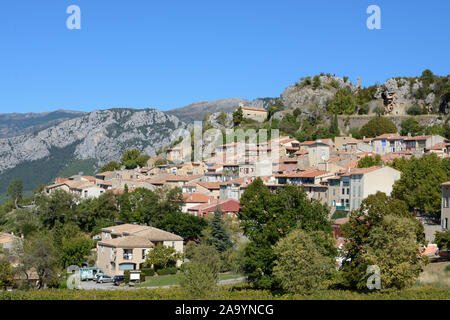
(191, 196)
(209, 200)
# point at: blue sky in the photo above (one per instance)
(168, 54)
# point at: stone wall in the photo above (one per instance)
(359, 120)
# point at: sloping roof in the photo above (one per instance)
(226, 205)
(155, 234)
(253, 108)
(128, 242)
(386, 136)
(209, 185)
(417, 138)
(127, 227)
(195, 197)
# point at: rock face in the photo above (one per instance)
(197, 111)
(313, 101)
(15, 124)
(99, 135)
(398, 95)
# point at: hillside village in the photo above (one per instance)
(326, 169)
(134, 208)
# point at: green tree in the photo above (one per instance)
(379, 110)
(111, 166)
(300, 265)
(162, 257)
(343, 103)
(200, 276)
(316, 82)
(442, 239)
(266, 217)
(58, 206)
(415, 110)
(219, 236)
(420, 183)
(183, 224)
(411, 126)
(238, 116)
(369, 161)
(335, 126)
(377, 126)
(131, 159)
(15, 191)
(357, 231)
(392, 246)
(75, 251)
(40, 253)
(6, 274)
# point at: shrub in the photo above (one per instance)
(414, 110)
(147, 272)
(127, 276)
(339, 214)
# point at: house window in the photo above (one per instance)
(127, 254)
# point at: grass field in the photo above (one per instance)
(172, 279)
(436, 274)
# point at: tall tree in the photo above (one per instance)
(344, 102)
(15, 191)
(358, 229)
(40, 253)
(266, 217)
(238, 116)
(392, 246)
(219, 237)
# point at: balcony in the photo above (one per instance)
(347, 207)
(127, 256)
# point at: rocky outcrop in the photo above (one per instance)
(100, 135)
(313, 101)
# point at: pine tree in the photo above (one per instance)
(220, 237)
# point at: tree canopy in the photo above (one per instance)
(377, 126)
(420, 183)
(131, 159)
(267, 217)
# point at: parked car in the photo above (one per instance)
(104, 278)
(118, 280)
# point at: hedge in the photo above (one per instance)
(148, 272)
(224, 293)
